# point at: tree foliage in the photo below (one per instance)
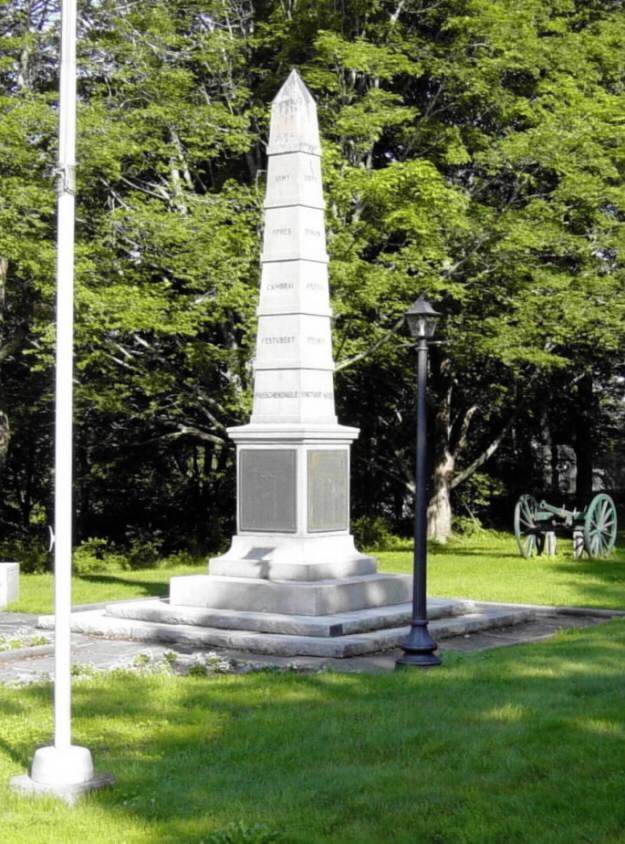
(473, 151)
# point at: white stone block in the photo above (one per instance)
(321, 597)
(294, 179)
(97, 622)
(9, 583)
(274, 556)
(323, 626)
(294, 341)
(294, 396)
(297, 286)
(294, 232)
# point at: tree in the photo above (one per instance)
(520, 116)
(473, 152)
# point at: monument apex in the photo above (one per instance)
(293, 126)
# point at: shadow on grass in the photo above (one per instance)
(603, 581)
(158, 589)
(436, 550)
(482, 749)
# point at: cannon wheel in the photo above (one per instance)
(529, 539)
(600, 526)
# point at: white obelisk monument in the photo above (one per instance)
(293, 554)
(293, 457)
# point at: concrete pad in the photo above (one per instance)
(69, 794)
(18, 654)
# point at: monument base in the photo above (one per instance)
(317, 597)
(274, 556)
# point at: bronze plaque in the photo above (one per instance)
(267, 490)
(328, 490)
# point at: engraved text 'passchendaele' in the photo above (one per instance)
(273, 340)
(295, 394)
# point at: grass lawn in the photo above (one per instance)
(490, 568)
(37, 590)
(516, 745)
(487, 568)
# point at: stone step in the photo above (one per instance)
(319, 597)
(339, 624)
(95, 622)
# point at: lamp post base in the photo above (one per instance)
(418, 648)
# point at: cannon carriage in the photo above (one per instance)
(536, 524)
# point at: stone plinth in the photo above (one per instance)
(321, 597)
(293, 506)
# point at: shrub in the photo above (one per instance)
(32, 555)
(95, 554)
(467, 525)
(372, 533)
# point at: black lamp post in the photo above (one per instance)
(419, 646)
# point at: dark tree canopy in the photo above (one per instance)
(474, 150)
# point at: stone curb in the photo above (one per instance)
(547, 609)
(17, 654)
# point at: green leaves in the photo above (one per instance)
(474, 150)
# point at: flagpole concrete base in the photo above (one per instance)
(66, 773)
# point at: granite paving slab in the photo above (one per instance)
(108, 654)
(337, 624)
(97, 622)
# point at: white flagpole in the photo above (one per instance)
(64, 769)
(64, 380)
(64, 764)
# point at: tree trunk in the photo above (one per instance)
(584, 439)
(546, 456)
(439, 507)
(5, 430)
(5, 437)
(444, 459)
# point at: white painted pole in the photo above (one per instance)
(64, 769)
(64, 380)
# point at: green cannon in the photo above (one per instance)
(593, 529)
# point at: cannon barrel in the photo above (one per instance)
(560, 512)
